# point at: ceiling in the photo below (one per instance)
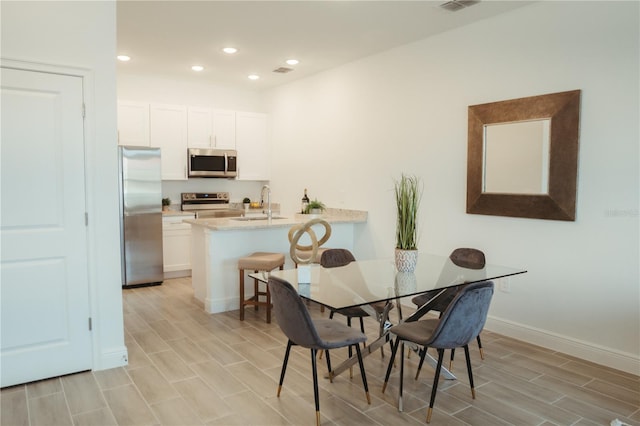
(167, 37)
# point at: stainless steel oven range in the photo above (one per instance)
(208, 204)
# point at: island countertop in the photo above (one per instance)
(332, 216)
(218, 243)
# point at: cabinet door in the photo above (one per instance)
(169, 132)
(176, 247)
(200, 128)
(133, 123)
(224, 129)
(254, 162)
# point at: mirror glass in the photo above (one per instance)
(522, 158)
(516, 157)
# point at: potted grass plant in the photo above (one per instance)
(408, 192)
(166, 204)
(315, 207)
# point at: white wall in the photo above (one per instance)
(347, 133)
(156, 89)
(82, 35)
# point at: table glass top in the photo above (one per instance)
(368, 281)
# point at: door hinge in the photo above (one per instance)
(84, 110)
(86, 219)
(90, 324)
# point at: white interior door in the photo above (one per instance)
(44, 276)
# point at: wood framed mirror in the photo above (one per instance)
(522, 158)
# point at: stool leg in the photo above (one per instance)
(268, 306)
(255, 293)
(241, 291)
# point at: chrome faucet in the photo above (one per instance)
(269, 215)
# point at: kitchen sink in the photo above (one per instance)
(250, 218)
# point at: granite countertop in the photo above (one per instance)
(279, 221)
(169, 213)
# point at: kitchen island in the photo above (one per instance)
(218, 243)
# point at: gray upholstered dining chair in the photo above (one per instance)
(317, 335)
(469, 258)
(333, 258)
(459, 324)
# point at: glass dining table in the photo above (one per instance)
(363, 282)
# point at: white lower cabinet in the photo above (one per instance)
(176, 246)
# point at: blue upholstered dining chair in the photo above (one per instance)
(317, 335)
(333, 258)
(460, 323)
(469, 258)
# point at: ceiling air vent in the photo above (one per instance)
(455, 5)
(283, 70)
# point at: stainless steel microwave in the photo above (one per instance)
(212, 163)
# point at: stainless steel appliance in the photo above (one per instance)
(208, 204)
(203, 163)
(140, 216)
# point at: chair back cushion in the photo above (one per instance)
(332, 258)
(468, 258)
(291, 314)
(464, 318)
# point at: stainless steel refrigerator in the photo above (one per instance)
(140, 216)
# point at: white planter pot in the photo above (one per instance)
(406, 282)
(406, 260)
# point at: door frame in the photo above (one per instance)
(89, 142)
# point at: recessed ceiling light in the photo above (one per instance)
(197, 67)
(253, 77)
(230, 50)
(293, 61)
(123, 58)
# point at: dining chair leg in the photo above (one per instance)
(434, 388)
(466, 354)
(480, 347)
(328, 365)
(350, 351)
(284, 366)
(316, 396)
(363, 374)
(400, 403)
(453, 353)
(423, 354)
(394, 348)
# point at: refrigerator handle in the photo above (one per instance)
(226, 163)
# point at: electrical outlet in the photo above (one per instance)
(504, 284)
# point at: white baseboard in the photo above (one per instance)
(214, 306)
(168, 274)
(115, 357)
(627, 362)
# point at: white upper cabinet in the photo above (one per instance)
(224, 129)
(254, 161)
(174, 128)
(208, 128)
(168, 131)
(133, 123)
(199, 128)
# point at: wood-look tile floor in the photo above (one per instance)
(187, 367)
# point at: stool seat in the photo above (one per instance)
(256, 262)
(261, 261)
